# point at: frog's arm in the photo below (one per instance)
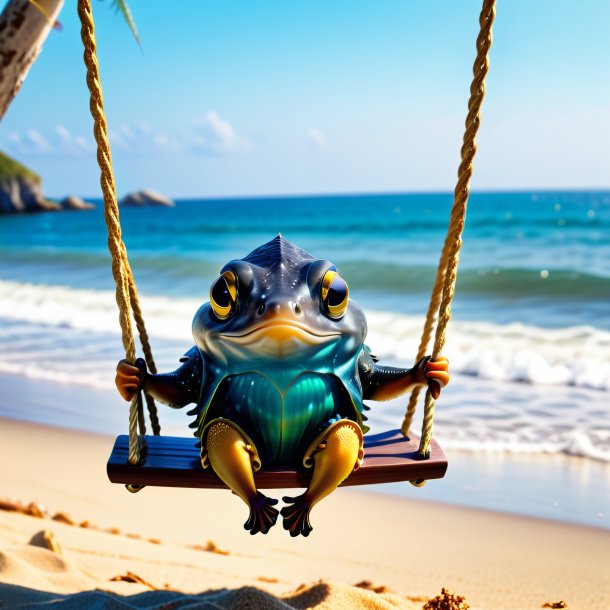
(385, 382)
(182, 386)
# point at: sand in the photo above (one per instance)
(177, 548)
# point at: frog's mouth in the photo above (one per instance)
(280, 337)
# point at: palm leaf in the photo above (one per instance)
(121, 6)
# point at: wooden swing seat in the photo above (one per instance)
(173, 461)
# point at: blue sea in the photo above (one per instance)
(529, 341)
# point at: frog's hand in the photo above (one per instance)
(436, 374)
(129, 378)
(182, 386)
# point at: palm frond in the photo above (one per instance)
(121, 6)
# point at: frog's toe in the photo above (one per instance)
(262, 515)
(296, 516)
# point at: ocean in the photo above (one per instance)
(529, 342)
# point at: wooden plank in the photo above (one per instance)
(171, 461)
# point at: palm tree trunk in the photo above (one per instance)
(24, 26)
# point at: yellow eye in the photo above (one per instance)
(223, 295)
(334, 294)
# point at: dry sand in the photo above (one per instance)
(177, 548)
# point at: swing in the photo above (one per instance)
(138, 460)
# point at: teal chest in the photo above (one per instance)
(282, 422)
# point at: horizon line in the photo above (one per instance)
(345, 194)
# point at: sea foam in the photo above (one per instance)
(575, 356)
(515, 388)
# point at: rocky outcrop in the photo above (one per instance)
(146, 198)
(20, 189)
(75, 203)
(21, 194)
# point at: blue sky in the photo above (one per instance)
(242, 97)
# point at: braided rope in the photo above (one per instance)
(444, 286)
(126, 292)
(422, 350)
(144, 342)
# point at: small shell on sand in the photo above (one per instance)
(210, 547)
(134, 578)
(46, 540)
(35, 509)
(63, 518)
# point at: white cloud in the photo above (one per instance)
(69, 144)
(215, 135)
(62, 132)
(32, 142)
(212, 135)
(316, 137)
(37, 141)
(141, 138)
(58, 142)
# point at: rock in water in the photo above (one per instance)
(20, 189)
(146, 198)
(75, 203)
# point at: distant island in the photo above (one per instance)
(146, 198)
(21, 191)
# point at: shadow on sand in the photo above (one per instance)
(244, 598)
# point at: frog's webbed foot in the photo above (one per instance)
(233, 456)
(334, 455)
(262, 514)
(296, 516)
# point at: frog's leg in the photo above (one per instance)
(234, 459)
(334, 455)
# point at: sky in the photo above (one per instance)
(273, 97)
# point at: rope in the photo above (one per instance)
(444, 285)
(433, 305)
(126, 292)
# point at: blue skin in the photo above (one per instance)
(278, 366)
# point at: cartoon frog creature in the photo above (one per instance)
(278, 376)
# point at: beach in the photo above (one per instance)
(412, 547)
(521, 518)
(262, 268)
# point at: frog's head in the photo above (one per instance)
(279, 302)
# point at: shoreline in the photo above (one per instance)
(412, 547)
(557, 487)
(391, 491)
